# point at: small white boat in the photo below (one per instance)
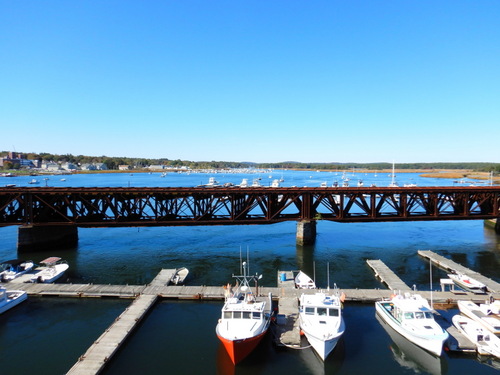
(487, 343)
(482, 313)
(212, 182)
(244, 183)
(34, 181)
(467, 283)
(245, 318)
(54, 269)
(302, 281)
(11, 298)
(411, 316)
(179, 276)
(320, 318)
(11, 269)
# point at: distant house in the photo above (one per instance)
(50, 166)
(69, 166)
(124, 167)
(88, 167)
(156, 167)
(101, 166)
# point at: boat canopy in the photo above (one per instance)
(13, 262)
(50, 260)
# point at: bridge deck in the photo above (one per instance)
(451, 266)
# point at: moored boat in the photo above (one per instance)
(11, 269)
(303, 281)
(467, 283)
(245, 318)
(11, 298)
(321, 321)
(411, 316)
(179, 276)
(482, 313)
(487, 343)
(54, 269)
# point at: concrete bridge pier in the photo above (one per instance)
(494, 224)
(306, 232)
(46, 237)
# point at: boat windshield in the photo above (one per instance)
(242, 315)
(418, 315)
(322, 311)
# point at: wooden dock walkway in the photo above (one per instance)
(101, 351)
(451, 266)
(387, 276)
(95, 358)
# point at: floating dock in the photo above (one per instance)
(287, 330)
(387, 276)
(451, 266)
(95, 358)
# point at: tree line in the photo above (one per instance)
(140, 163)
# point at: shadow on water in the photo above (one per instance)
(411, 356)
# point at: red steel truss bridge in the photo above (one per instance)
(155, 206)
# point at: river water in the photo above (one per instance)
(47, 335)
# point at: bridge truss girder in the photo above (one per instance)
(101, 207)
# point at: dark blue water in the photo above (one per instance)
(180, 337)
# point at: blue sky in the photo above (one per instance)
(262, 81)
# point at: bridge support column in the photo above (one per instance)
(306, 232)
(494, 224)
(34, 238)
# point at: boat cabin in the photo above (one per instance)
(403, 313)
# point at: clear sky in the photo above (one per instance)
(259, 80)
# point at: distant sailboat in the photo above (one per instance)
(393, 177)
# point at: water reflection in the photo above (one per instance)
(411, 356)
(315, 365)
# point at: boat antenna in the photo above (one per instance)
(328, 274)
(241, 264)
(314, 271)
(430, 273)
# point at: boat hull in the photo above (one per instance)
(241, 348)
(323, 347)
(433, 344)
(473, 311)
(11, 302)
(487, 342)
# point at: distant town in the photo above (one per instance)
(17, 162)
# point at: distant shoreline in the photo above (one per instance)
(459, 174)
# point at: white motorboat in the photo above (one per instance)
(11, 298)
(245, 318)
(53, 269)
(302, 281)
(467, 283)
(179, 276)
(212, 182)
(411, 316)
(320, 319)
(487, 343)
(11, 269)
(482, 313)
